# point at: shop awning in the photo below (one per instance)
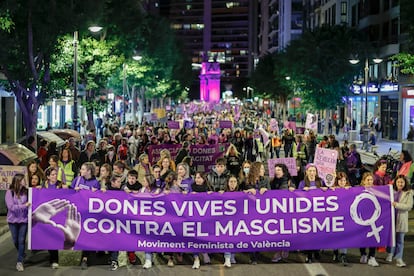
(65, 134)
(15, 154)
(50, 137)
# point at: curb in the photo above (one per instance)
(4, 229)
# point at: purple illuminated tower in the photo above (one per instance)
(210, 82)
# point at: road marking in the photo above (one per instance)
(316, 269)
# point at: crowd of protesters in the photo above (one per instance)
(117, 158)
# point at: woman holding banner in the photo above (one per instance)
(17, 215)
(368, 181)
(232, 185)
(281, 181)
(342, 183)
(311, 181)
(256, 182)
(403, 204)
(52, 182)
(86, 181)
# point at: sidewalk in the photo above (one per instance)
(383, 147)
(4, 227)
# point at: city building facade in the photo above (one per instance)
(380, 21)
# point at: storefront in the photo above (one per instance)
(407, 111)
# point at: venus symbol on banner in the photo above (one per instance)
(356, 217)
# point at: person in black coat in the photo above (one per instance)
(183, 152)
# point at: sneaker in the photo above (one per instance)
(233, 258)
(55, 265)
(84, 264)
(276, 257)
(400, 263)
(196, 264)
(170, 262)
(335, 258)
(343, 260)
(114, 265)
(308, 260)
(180, 258)
(206, 258)
(364, 259)
(19, 267)
(147, 264)
(132, 258)
(253, 262)
(389, 257)
(372, 262)
(227, 262)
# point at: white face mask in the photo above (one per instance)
(246, 170)
(110, 153)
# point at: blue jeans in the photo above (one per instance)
(397, 251)
(18, 232)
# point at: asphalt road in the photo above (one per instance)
(37, 264)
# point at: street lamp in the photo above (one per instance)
(135, 57)
(75, 80)
(366, 80)
(93, 29)
(247, 89)
(123, 93)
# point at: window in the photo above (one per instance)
(344, 12)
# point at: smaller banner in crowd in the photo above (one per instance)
(265, 136)
(228, 222)
(204, 156)
(8, 172)
(173, 124)
(311, 121)
(290, 125)
(274, 125)
(226, 124)
(154, 151)
(290, 163)
(325, 161)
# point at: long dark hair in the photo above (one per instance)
(16, 187)
(203, 175)
(318, 179)
(254, 174)
(407, 184)
(48, 172)
(407, 156)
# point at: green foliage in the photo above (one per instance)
(269, 78)
(6, 23)
(319, 62)
(405, 62)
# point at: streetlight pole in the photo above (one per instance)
(124, 92)
(75, 80)
(366, 70)
(366, 80)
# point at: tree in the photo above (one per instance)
(163, 70)
(98, 59)
(29, 34)
(273, 84)
(319, 60)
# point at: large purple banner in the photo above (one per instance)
(228, 222)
